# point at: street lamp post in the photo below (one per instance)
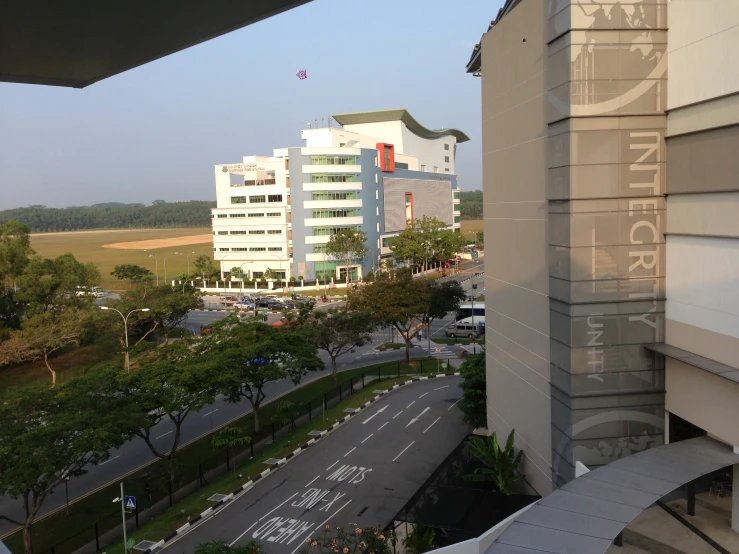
(65, 478)
(241, 267)
(472, 298)
(156, 266)
(125, 329)
(188, 259)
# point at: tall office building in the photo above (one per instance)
(376, 173)
(612, 211)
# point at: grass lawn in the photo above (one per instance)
(88, 247)
(58, 527)
(471, 226)
(69, 363)
(178, 515)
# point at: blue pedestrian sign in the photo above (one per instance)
(130, 502)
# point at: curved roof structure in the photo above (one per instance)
(76, 42)
(587, 514)
(400, 114)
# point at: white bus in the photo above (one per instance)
(97, 292)
(466, 310)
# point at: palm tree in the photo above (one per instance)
(501, 466)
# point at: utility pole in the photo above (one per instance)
(474, 339)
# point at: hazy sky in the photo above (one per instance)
(156, 131)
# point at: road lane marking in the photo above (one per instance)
(452, 406)
(396, 415)
(214, 411)
(401, 453)
(444, 387)
(424, 394)
(412, 421)
(332, 465)
(373, 415)
(352, 450)
(165, 434)
(309, 484)
(302, 543)
(383, 425)
(368, 438)
(430, 426)
(109, 460)
(411, 404)
(261, 518)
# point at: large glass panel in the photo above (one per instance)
(334, 195)
(238, 200)
(334, 213)
(333, 177)
(334, 160)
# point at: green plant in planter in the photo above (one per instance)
(300, 278)
(501, 465)
(421, 539)
(292, 279)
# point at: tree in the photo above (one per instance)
(474, 391)
(249, 354)
(402, 302)
(51, 285)
(48, 435)
(425, 239)
(332, 540)
(172, 383)
(230, 437)
(347, 245)
(443, 298)
(131, 273)
(220, 547)
(501, 466)
(336, 331)
(43, 334)
(205, 267)
(420, 540)
(15, 249)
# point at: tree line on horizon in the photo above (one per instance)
(161, 214)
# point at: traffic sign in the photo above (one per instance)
(437, 350)
(130, 502)
(443, 365)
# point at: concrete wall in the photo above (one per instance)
(514, 150)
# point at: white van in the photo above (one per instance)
(97, 292)
(463, 329)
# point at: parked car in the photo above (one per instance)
(263, 303)
(244, 305)
(275, 305)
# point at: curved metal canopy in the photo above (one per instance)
(587, 514)
(400, 114)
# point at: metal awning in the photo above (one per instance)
(75, 43)
(712, 366)
(587, 514)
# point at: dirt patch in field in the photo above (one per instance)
(160, 243)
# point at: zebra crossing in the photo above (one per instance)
(438, 350)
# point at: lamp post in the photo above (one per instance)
(472, 298)
(125, 329)
(156, 266)
(241, 267)
(65, 478)
(122, 500)
(188, 254)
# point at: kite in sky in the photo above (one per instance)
(302, 74)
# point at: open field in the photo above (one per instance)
(89, 246)
(471, 226)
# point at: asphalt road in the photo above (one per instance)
(135, 453)
(362, 473)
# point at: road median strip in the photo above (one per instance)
(284, 461)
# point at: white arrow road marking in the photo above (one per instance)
(401, 453)
(416, 418)
(373, 415)
(430, 426)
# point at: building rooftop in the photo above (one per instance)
(76, 43)
(400, 114)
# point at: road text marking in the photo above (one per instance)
(430, 426)
(401, 453)
(261, 518)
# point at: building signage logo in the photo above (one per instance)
(240, 169)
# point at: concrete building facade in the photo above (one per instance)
(610, 211)
(276, 213)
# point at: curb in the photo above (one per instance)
(249, 484)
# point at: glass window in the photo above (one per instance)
(238, 232)
(238, 200)
(446, 169)
(222, 215)
(334, 213)
(258, 232)
(256, 214)
(436, 169)
(386, 156)
(333, 178)
(237, 215)
(274, 198)
(423, 168)
(223, 249)
(275, 248)
(256, 199)
(257, 274)
(446, 159)
(456, 195)
(222, 232)
(274, 232)
(401, 165)
(334, 160)
(273, 214)
(456, 219)
(446, 147)
(239, 249)
(257, 249)
(328, 231)
(333, 195)
(386, 242)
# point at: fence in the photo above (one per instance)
(156, 493)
